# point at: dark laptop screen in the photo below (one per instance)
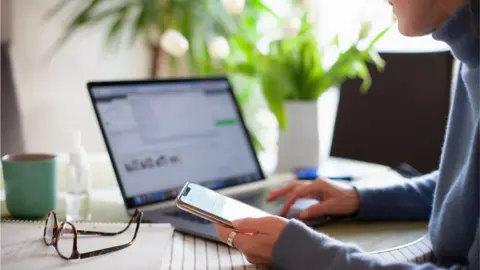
(162, 134)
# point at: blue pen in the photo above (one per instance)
(340, 177)
(313, 173)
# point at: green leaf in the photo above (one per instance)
(243, 96)
(335, 41)
(312, 69)
(150, 12)
(57, 8)
(185, 20)
(247, 49)
(105, 14)
(208, 68)
(365, 28)
(86, 17)
(256, 143)
(216, 17)
(276, 84)
(140, 24)
(259, 5)
(243, 68)
(377, 37)
(117, 25)
(377, 60)
(362, 72)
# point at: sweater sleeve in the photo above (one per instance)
(300, 247)
(411, 200)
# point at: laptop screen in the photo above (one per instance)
(161, 134)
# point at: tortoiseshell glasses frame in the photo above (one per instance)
(58, 229)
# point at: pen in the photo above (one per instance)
(340, 177)
(313, 173)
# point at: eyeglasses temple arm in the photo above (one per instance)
(97, 233)
(104, 251)
(84, 232)
(115, 248)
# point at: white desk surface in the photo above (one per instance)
(370, 236)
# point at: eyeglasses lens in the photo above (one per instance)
(65, 240)
(50, 226)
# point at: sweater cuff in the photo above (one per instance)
(368, 204)
(293, 248)
(299, 247)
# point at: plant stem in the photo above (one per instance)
(156, 55)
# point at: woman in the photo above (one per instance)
(449, 197)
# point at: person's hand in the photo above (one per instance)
(335, 198)
(255, 237)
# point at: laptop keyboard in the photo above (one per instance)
(258, 197)
(188, 216)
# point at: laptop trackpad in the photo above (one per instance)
(257, 199)
(299, 206)
(302, 204)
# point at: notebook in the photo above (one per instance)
(22, 247)
(190, 252)
(419, 251)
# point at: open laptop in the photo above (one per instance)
(161, 134)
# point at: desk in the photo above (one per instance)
(370, 236)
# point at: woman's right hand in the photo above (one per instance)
(335, 198)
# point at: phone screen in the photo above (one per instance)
(217, 204)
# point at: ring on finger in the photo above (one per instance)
(231, 236)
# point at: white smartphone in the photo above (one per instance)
(214, 206)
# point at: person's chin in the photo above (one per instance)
(409, 31)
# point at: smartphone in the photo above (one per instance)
(214, 206)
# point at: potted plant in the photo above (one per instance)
(185, 38)
(293, 74)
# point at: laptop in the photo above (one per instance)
(161, 134)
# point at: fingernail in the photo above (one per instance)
(304, 214)
(236, 223)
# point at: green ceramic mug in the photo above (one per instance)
(30, 184)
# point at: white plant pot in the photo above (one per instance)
(307, 140)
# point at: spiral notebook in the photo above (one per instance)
(419, 251)
(190, 252)
(22, 247)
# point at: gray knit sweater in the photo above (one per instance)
(448, 197)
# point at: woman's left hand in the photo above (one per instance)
(255, 237)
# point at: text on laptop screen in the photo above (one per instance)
(161, 135)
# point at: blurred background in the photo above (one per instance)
(52, 48)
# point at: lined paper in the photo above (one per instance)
(190, 252)
(419, 251)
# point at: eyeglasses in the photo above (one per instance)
(64, 237)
